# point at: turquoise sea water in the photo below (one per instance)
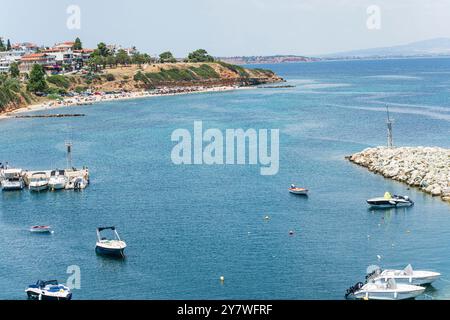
(188, 225)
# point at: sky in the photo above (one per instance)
(227, 27)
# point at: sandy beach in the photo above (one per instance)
(82, 100)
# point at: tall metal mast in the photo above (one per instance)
(389, 128)
(69, 154)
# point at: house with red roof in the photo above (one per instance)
(47, 61)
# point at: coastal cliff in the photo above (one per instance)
(169, 77)
(427, 168)
(206, 74)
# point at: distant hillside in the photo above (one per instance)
(266, 59)
(208, 74)
(426, 48)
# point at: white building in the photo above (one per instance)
(9, 57)
(63, 56)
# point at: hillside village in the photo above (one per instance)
(31, 73)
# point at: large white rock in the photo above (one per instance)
(424, 167)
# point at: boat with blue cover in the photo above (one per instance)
(48, 290)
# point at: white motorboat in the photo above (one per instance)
(390, 201)
(384, 290)
(407, 276)
(38, 181)
(48, 290)
(111, 247)
(296, 190)
(57, 180)
(77, 183)
(11, 179)
(41, 229)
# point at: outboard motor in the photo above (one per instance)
(353, 289)
(373, 274)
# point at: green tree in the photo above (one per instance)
(14, 70)
(147, 59)
(2, 45)
(78, 45)
(122, 57)
(111, 61)
(200, 55)
(9, 91)
(167, 57)
(103, 49)
(37, 81)
(94, 62)
(8, 45)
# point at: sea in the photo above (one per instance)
(186, 226)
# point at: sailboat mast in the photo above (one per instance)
(69, 154)
(389, 128)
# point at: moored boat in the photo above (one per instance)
(77, 183)
(111, 247)
(296, 190)
(384, 290)
(38, 181)
(57, 180)
(390, 201)
(11, 179)
(41, 229)
(407, 276)
(48, 290)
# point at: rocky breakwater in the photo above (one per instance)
(427, 168)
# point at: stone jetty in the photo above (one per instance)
(427, 168)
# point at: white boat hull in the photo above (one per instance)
(416, 278)
(38, 188)
(42, 294)
(299, 191)
(12, 186)
(57, 186)
(389, 295)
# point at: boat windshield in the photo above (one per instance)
(391, 284)
(408, 270)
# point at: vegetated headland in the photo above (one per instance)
(68, 74)
(427, 168)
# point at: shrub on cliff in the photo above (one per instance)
(59, 80)
(110, 77)
(205, 72)
(236, 69)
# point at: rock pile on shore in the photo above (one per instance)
(427, 168)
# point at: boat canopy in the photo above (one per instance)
(42, 283)
(12, 171)
(106, 228)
